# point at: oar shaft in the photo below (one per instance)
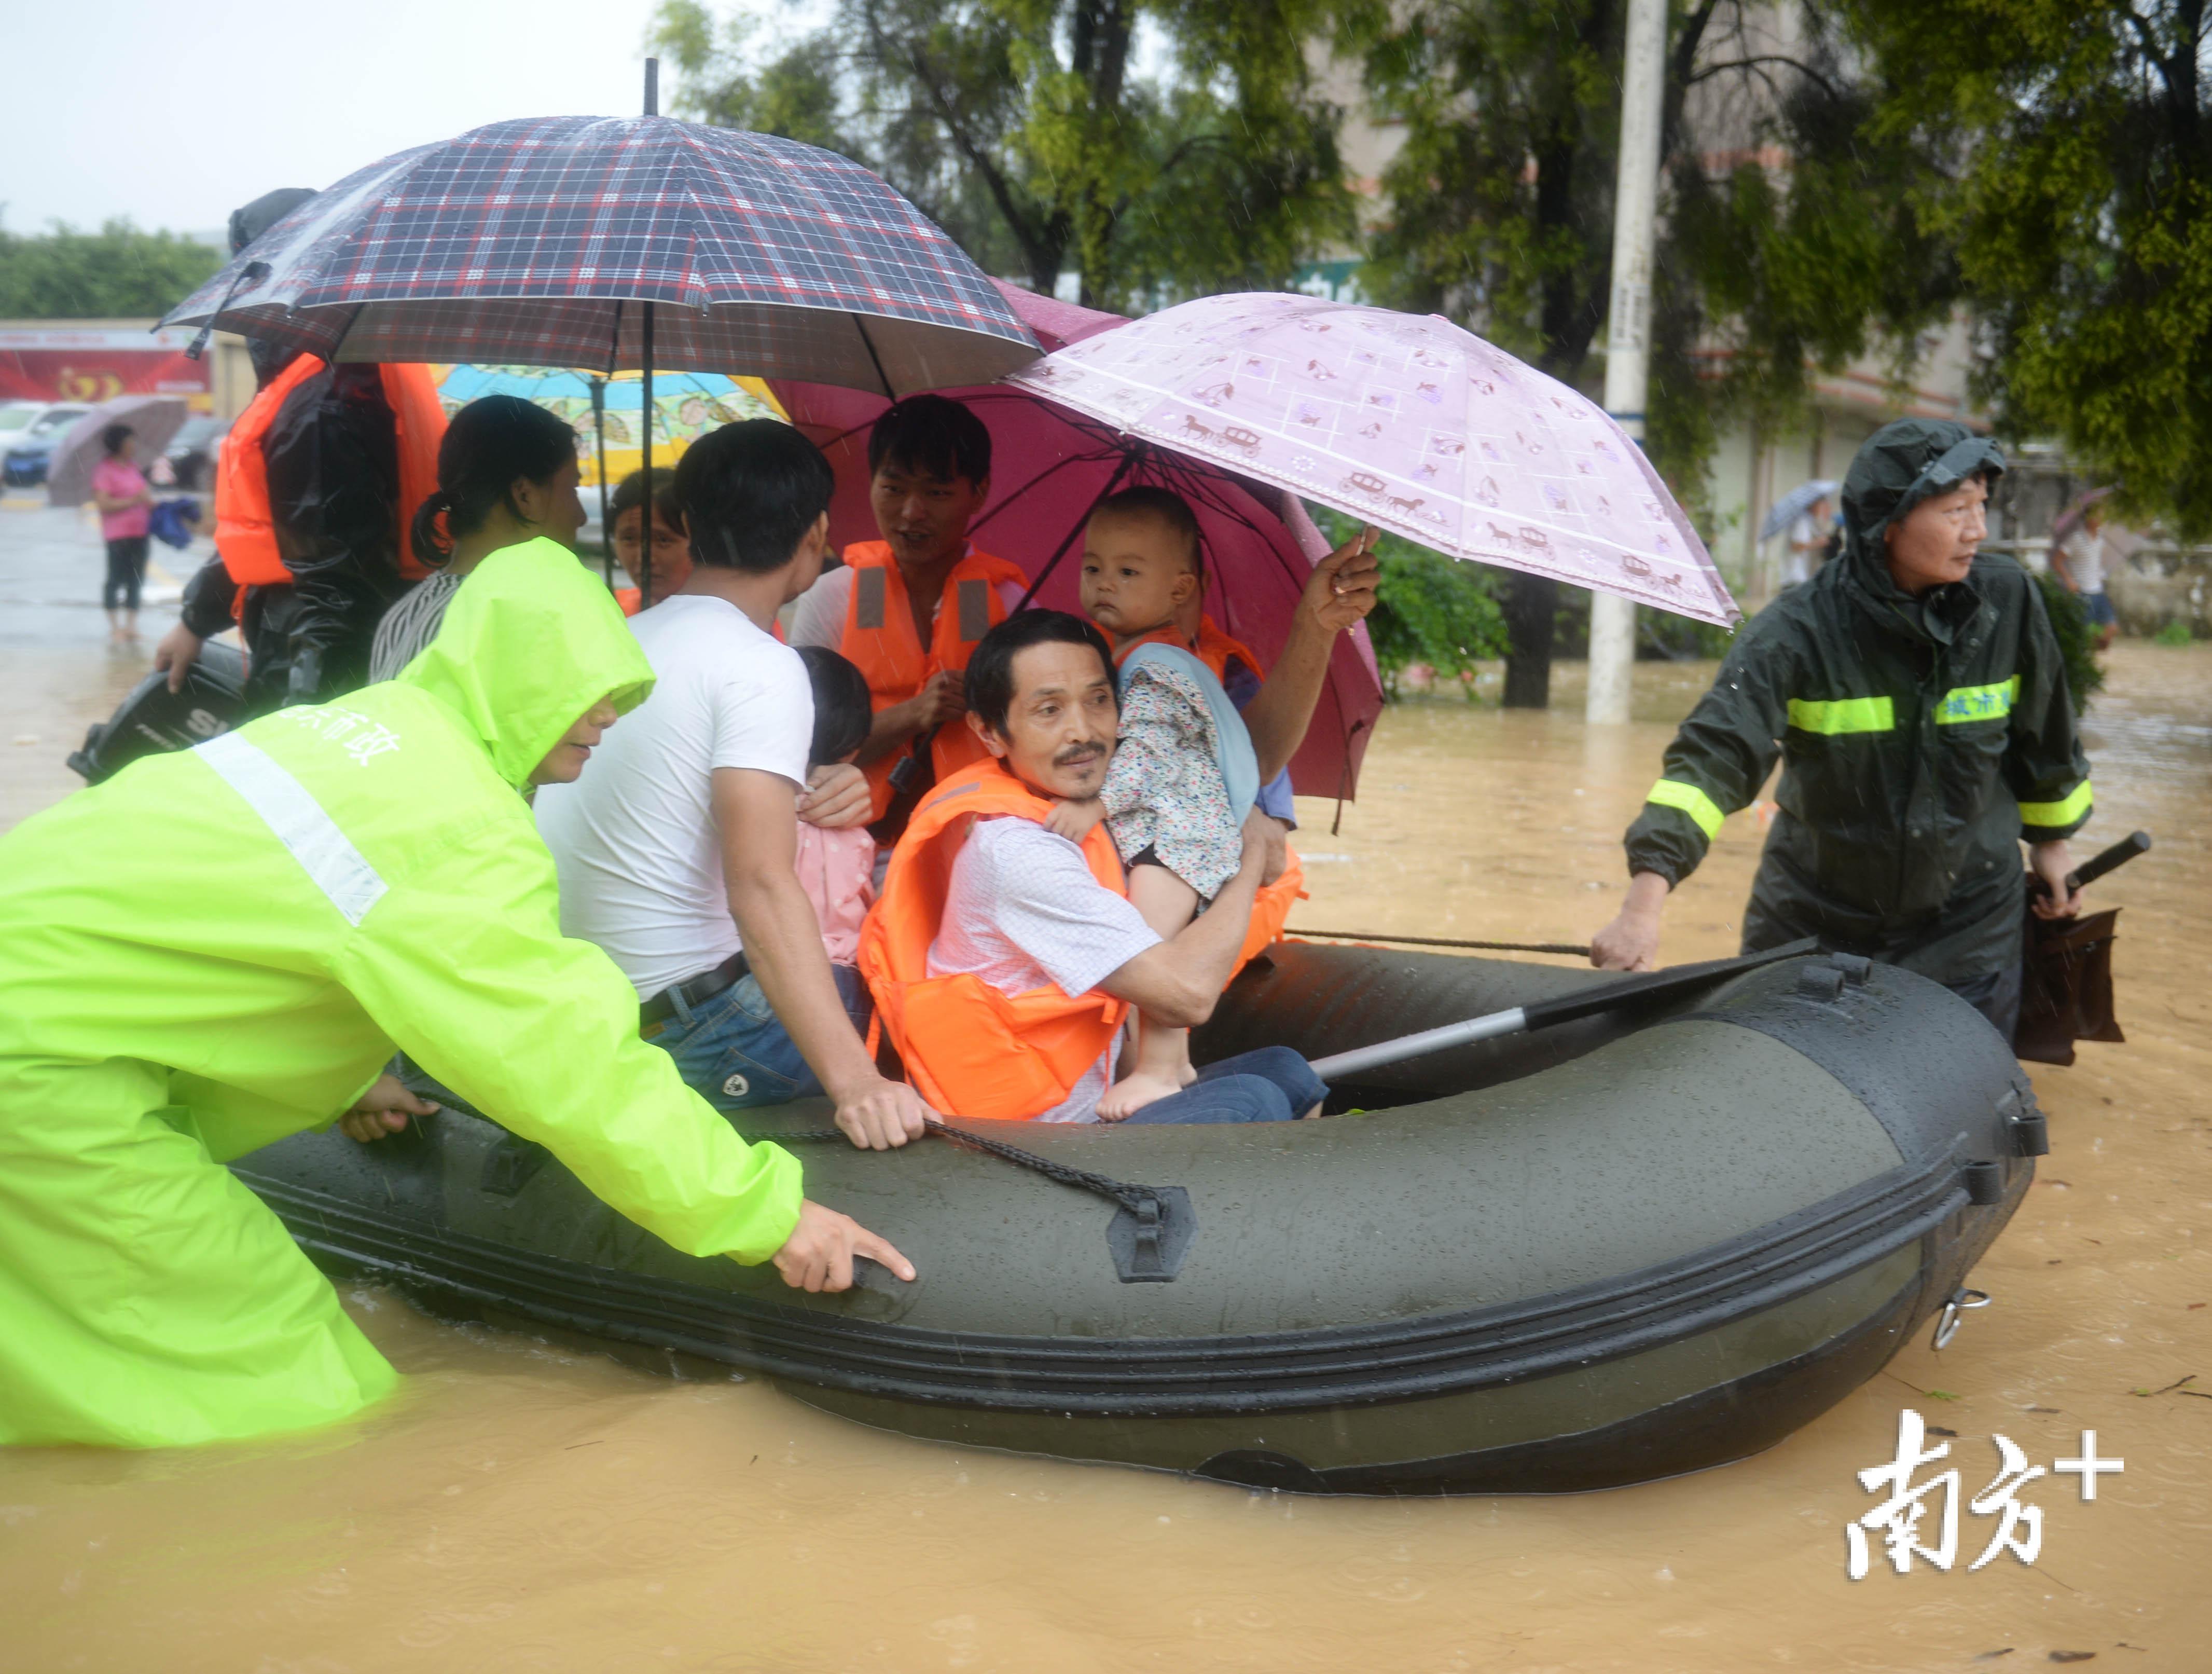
(2112, 859)
(1640, 989)
(1429, 1040)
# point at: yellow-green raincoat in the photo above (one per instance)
(221, 948)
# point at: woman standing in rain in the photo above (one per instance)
(125, 502)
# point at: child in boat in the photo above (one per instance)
(836, 869)
(1183, 776)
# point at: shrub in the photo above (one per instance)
(1428, 608)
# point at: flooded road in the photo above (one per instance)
(519, 1507)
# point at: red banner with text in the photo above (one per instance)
(93, 363)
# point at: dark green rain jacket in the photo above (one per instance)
(1920, 739)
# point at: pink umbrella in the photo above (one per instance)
(1399, 420)
(1050, 466)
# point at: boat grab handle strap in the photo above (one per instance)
(1148, 1237)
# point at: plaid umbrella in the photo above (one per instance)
(535, 242)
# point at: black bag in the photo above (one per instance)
(154, 719)
(2066, 986)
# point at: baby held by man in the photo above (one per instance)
(1183, 776)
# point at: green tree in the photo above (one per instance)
(116, 273)
(1429, 609)
(2075, 140)
(1790, 241)
(1026, 130)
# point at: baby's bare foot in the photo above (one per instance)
(1132, 1093)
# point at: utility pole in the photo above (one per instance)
(1628, 336)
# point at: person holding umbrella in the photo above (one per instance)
(909, 609)
(1916, 695)
(125, 502)
(329, 882)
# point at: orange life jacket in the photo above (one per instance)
(418, 428)
(1271, 907)
(1214, 648)
(880, 641)
(969, 1049)
(245, 530)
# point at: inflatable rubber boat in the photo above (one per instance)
(1616, 1250)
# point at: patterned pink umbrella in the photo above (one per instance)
(1049, 466)
(1405, 422)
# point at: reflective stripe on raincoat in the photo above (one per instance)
(1921, 738)
(219, 948)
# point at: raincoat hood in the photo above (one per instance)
(531, 642)
(1900, 465)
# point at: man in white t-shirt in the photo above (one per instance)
(1808, 538)
(2078, 564)
(675, 852)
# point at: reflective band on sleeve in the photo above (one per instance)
(2063, 811)
(1978, 702)
(1843, 715)
(299, 821)
(1674, 793)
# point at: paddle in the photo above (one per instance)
(1562, 1008)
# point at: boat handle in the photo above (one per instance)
(1954, 1315)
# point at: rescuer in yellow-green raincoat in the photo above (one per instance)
(218, 948)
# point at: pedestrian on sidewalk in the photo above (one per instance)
(126, 501)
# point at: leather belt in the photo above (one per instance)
(695, 993)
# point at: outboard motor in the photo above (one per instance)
(152, 719)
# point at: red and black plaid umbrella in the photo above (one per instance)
(537, 241)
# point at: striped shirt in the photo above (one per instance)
(411, 624)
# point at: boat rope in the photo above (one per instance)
(1134, 1198)
(1580, 948)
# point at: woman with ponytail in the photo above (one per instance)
(507, 473)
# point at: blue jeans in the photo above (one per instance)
(734, 1051)
(1274, 1084)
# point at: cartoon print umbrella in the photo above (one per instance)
(1407, 422)
(1049, 466)
(685, 405)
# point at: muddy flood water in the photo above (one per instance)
(519, 1507)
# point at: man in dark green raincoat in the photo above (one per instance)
(1916, 695)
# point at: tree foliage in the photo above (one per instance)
(1790, 241)
(116, 273)
(2076, 143)
(1429, 609)
(1029, 132)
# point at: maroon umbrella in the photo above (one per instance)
(1050, 466)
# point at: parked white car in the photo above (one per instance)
(28, 431)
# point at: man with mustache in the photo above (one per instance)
(1004, 957)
